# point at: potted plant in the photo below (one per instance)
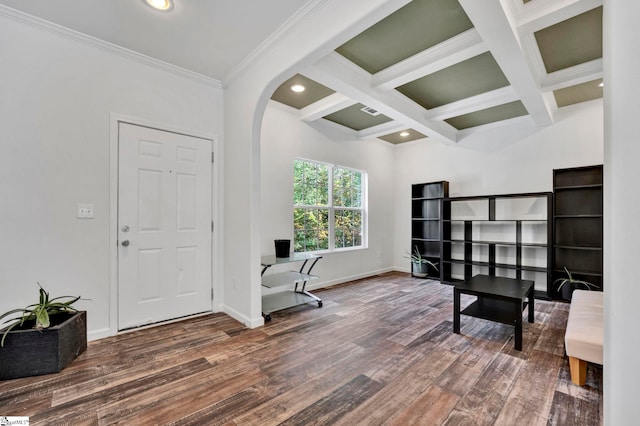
(420, 265)
(565, 286)
(44, 339)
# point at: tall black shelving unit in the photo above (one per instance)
(578, 223)
(512, 242)
(427, 221)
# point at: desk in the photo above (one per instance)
(287, 299)
(499, 299)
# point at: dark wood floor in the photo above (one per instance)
(380, 351)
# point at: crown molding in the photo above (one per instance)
(59, 30)
(297, 19)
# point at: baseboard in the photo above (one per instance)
(248, 322)
(324, 284)
(257, 322)
(100, 334)
(108, 332)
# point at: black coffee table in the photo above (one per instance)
(499, 299)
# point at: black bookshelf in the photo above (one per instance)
(499, 235)
(578, 224)
(426, 221)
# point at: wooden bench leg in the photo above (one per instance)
(578, 370)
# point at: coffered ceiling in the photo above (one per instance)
(443, 69)
(449, 68)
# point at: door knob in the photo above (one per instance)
(125, 243)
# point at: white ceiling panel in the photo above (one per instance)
(209, 37)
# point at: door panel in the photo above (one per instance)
(164, 223)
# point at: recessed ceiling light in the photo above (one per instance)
(161, 5)
(601, 84)
(298, 88)
(404, 134)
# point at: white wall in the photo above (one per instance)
(474, 166)
(285, 137)
(245, 99)
(509, 165)
(621, 212)
(55, 103)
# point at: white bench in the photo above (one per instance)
(584, 337)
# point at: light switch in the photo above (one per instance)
(84, 211)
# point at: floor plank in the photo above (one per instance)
(381, 351)
(431, 408)
(530, 401)
(338, 403)
(400, 392)
(486, 397)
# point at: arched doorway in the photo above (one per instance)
(327, 25)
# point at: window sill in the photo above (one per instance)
(340, 250)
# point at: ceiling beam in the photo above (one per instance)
(325, 106)
(538, 14)
(341, 75)
(475, 103)
(491, 21)
(381, 130)
(457, 49)
(576, 74)
(499, 133)
(334, 130)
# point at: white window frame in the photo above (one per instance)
(364, 209)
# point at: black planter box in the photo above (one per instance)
(35, 352)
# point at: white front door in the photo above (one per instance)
(164, 225)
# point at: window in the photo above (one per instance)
(329, 207)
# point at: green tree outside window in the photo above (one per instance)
(329, 208)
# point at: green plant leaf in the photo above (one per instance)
(14, 311)
(6, 332)
(39, 312)
(44, 296)
(571, 281)
(73, 300)
(42, 319)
